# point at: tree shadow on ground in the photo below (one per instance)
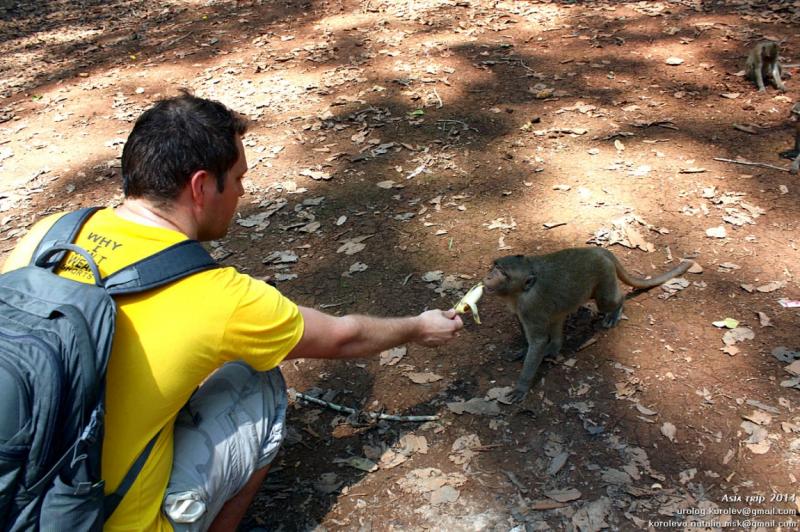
(467, 147)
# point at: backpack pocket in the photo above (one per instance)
(15, 425)
(73, 508)
(12, 464)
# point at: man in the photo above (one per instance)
(182, 167)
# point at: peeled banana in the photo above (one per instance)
(470, 301)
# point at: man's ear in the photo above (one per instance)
(199, 183)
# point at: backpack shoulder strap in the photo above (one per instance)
(173, 263)
(63, 231)
(112, 500)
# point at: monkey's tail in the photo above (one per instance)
(642, 283)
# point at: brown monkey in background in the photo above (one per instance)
(542, 290)
(762, 61)
(794, 153)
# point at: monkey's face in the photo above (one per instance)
(508, 276)
(771, 51)
(496, 281)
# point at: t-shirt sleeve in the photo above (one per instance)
(264, 326)
(21, 254)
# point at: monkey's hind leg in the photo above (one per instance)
(609, 301)
(777, 74)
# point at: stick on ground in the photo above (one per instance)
(374, 415)
(749, 163)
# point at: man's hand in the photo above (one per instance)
(438, 327)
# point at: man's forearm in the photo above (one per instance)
(369, 335)
(355, 335)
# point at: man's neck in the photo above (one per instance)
(142, 211)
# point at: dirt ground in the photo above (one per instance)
(397, 148)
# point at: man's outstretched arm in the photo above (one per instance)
(354, 335)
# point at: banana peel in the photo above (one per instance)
(470, 301)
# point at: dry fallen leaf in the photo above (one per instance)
(352, 246)
(565, 495)
(355, 268)
(645, 411)
(731, 350)
(316, 175)
(771, 287)
(358, 462)
(280, 257)
(392, 356)
(669, 431)
(727, 323)
(423, 378)
(443, 495)
(758, 417)
(739, 334)
(591, 516)
(758, 442)
(411, 444)
(784, 354)
(557, 463)
(695, 268)
(793, 368)
(499, 394)
(476, 406)
(433, 276)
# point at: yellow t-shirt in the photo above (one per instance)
(167, 341)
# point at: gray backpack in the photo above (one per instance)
(55, 341)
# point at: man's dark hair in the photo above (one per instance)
(174, 139)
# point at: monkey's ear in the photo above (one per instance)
(529, 282)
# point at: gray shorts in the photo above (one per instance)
(233, 425)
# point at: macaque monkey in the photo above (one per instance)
(762, 61)
(794, 154)
(542, 290)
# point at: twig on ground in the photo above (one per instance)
(173, 42)
(438, 98)
(750, 163)
(374, 415)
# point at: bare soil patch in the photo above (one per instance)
(504, 128)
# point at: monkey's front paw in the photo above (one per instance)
(516, 395)
(612, 318)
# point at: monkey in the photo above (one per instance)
(794, 153)
(543, 289)
(762, 61)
